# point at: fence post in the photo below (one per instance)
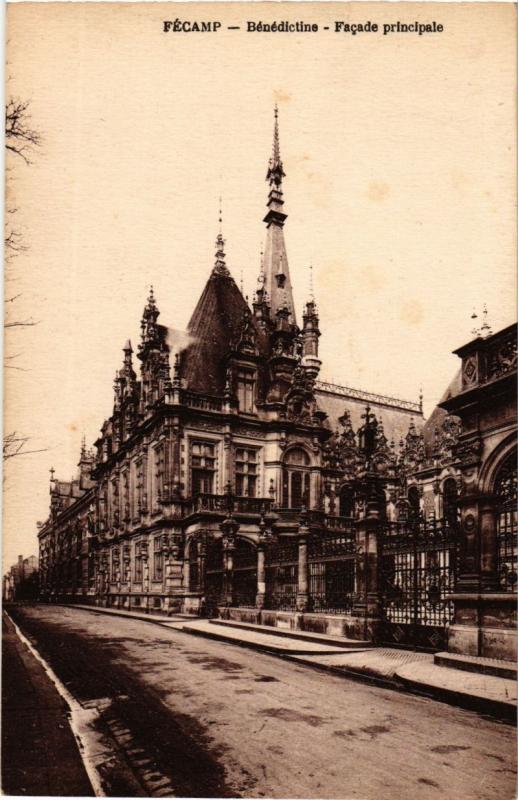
(303, 575)
(366, 604)
(261, 576)
(229, 528)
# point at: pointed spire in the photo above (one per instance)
(278, 283)
(275, 172)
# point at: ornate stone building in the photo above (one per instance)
(229, 480)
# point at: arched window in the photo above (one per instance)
(295, 478)
(505, 491)
(346, 501)
(449, 499)
(413, 501)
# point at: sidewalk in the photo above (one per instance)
(40, 755)
(390, 667)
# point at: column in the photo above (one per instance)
(303, 574)
(145, 574)
(228, 554)
(488, 546)
(261, 576)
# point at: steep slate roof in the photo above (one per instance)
(438, 415)
(396, 418)
(215, 324)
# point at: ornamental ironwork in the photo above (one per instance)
(507, 527)
(417, 569)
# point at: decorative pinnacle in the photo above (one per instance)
(220, 267)
(475, 331)
(485, 330)
(275, 169)
(276, 155)
(262, 276)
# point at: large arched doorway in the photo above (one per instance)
(506, 522)
(295, 478)
(214, 575)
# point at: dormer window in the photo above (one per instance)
(246, 390)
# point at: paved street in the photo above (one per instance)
(194, 717)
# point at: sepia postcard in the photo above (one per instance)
(259, 499)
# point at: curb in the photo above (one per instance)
(505, 712)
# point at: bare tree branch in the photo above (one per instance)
(20, 137)
(14, 445)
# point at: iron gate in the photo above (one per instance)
(282, 575)
(417, 565)
(244, 578)
(332, 569)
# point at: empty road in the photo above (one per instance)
(192, 717)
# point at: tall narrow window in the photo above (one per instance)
(449, 492)
(246, 390)
(138, 563)
(295, 479)
(158, 559)
(246, 472)
(346, 501)
(159, 473)
(115, 563)
(413, 502)
(203, 465)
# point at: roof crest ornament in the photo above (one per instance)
(220, 268)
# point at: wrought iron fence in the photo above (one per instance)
(507, 553)
(417, 565)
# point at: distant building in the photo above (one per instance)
(17, 575)
(235, 482)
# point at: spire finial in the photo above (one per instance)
(276, 148)
(485, 329)
(275, 169)
(220, 267)
(311, 286)
(421, 399)
(241, 284)
(475, 331)
(220, 218)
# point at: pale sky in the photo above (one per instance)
(399, 152)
